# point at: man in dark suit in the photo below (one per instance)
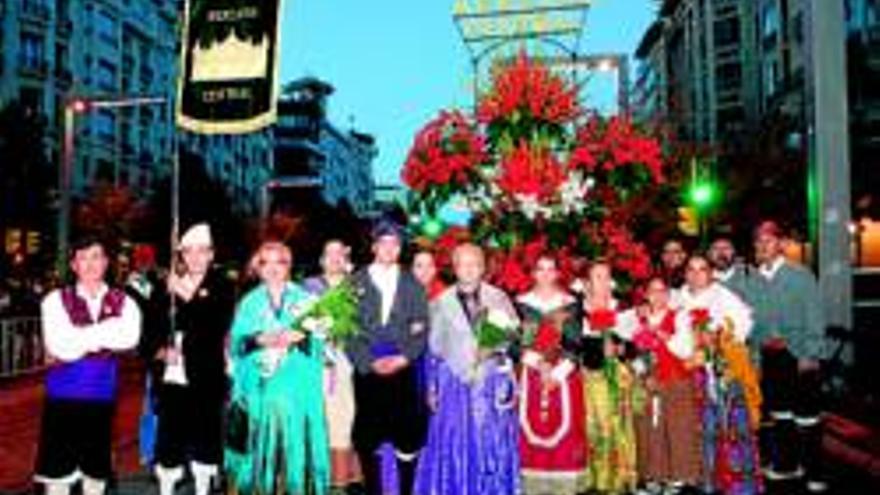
(393, 337)
(189, 362)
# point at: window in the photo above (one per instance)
(107, 75)
(105, 124)
(106, 27)
(32, 51)
(728, 77)
(727, 32)
(769, 20)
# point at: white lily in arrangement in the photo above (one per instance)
(573, 191)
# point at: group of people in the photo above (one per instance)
(707, 381)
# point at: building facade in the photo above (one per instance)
(696, 69)
(55, 51)
(311, 152)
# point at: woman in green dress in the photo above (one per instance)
(277, 381)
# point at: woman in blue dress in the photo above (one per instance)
(472, 440)
(277, 381)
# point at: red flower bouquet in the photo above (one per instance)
(526, 88)
(602, 320)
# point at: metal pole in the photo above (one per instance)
(264, 200)
(64, 179)
(623, 84)
(829, 157)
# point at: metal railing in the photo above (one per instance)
(21, 346)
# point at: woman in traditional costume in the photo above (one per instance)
(472, 437)
(730, 394)
(608, 386)
(338, 375)
(277, 384)
(552, 438)
(667, 425)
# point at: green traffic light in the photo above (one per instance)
(702, 194)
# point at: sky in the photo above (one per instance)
(396, 63)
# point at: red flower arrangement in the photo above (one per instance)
(607, 146)
(510, 274)
(538, 179)
(446, 243)
(625, 254)
(530, 171)
(529, 88)
(445, 152)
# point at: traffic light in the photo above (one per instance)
(702, 194)
(688, 221)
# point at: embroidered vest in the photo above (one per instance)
(92, 377)
(668, 367)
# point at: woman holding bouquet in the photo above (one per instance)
(552, 437)
(667, 439)
(338, 374)
(730, 395)
(608, 386)
(471, 444)
(277, 383)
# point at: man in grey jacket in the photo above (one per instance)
(392, 339)
(789, 336)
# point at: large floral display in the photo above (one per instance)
(539, 174)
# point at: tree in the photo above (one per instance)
(113, 213)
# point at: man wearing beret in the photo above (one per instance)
(393, 337)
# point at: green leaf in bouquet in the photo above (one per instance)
(339, 305)
(491, 336)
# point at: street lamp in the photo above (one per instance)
(74, 107)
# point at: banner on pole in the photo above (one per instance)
(229, 66)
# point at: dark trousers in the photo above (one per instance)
(791, 430)
(389, 409)
(190, 426)
(75, 435)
